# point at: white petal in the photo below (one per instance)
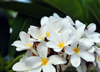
(79, 68)
(37, 69)
(25, 38)
(49, 68)
(55, 59)
(55, 37)
(91, 28)
(52, 44)
(97, 50)
(28, 53)
(64, 35)
(82, 46)
(78, 23)
(56, 15)
(75, 60)
(42, 49)
(34, 32)
(20, 49)
(87, 56)
(33, 62)
(86, 42)
(91, 50)
(19, 66)
(57, 26)
(57, 50)
(69, 50)
(19, 44)
(44, 20)
(84, 67)
(80, 31)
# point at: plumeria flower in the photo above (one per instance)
(50, 24)
(37, 34)
(20, 66)
(91, 34)
(42, 61)
(59, 41)
(78, 49)
(25, 42)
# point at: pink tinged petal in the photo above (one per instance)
(25, 38)
(55, 59)
(19, 66)
(69, 50)
(55, 37)
(33, 62)
(34, 32)
(87, 56)
(19, 44)
(42, 49)
(44, 20)
(91, 28)
(80, 31)
(52, 44)
(75, 60)
(49, 68)
(37, 69)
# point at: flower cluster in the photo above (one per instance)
(57, 40)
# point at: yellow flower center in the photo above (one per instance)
(44, 61)
(47, 34)
(98, 58)
(28, 69)
(29, 45)
(61, 45)
(76, 50)
(41, 37)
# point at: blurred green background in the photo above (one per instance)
(18, 15)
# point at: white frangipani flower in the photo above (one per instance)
(42, 62)
(25, 42)
(78, 49)
(59, 41)
(50, 24)
(91, 34)
(37, 34)
(20, 66)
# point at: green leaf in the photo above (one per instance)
(93, 7)
(21, 23)
(71, 8)
(30, 9)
